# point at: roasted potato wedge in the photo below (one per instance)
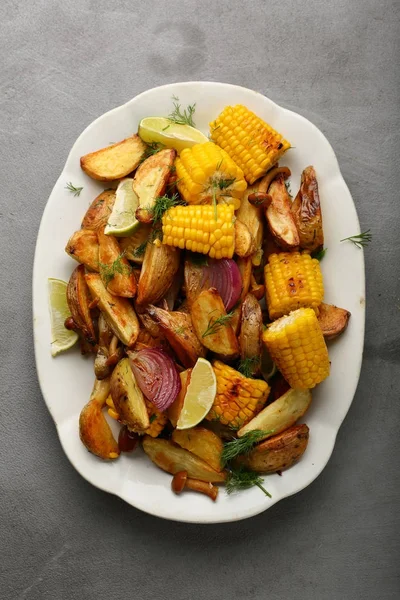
(128, 399)
(279, 216)
(174, 410)
(115, 161)
(98, 212)
(280, 414)
(134, 246)
(118, 312)
(333, 320)
(178, 330)
(252, 217)
(94, 430)
(245, 244)
(306, 211)
(270, 246)
(193, 275)
(211, 325)
(202, 442)
(278, 452)
(171, 458)
(115, 271)
(78, 298)
(245, 268)
(250, 332)
(160, 266)
(102, 368)
(83, 246)
(150, 182)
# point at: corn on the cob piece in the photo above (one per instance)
(292, 280)
(206, 229)
(297, 347)
(205, 173)
(158, 420)
(253, 144)
(238, 398)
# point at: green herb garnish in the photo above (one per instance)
(141, 249)
(225, 183)
(182, 117)
(319, 254)
(162, 204)
(241, 479)
(242, 445)
(74, 190)
(152, 148)
(108, 272)
(360, 240)
(214, 326)
(248, 366)
(153, 418)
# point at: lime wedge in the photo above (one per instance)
(122, 221)
(200, 395)
(160, 130)
(62, 339)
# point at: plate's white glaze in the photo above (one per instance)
(66, 381)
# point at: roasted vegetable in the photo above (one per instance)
(306, 211)
(298, 349)
(94, 430)
(180, 481)
(128, 399)
(178, 330)
(332, 320)
(150, 182)
(98, 212)
(115, 271)
(78, 299)
(172, 458)
(292, 280)
(280, 414)
(252, 217)
(193, 279)
(83, 246)
(250, 142)
(134, 246)
(244, 241)
(118, 312)
(212, 324)
(238, 398)
(278, 452)
(174, 410)
(250, 332)
(279, 216)
(203, 443)
(115, 161)
(160, 266)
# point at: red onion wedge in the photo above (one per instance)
(225, 276)
(156, 375)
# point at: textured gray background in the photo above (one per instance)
(63, 63)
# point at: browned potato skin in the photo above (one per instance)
(205, 310)
(115, 161)
(78, 298)
(159, 268)
(98, 212)
(171, 458)
(193, 280)
(333, 320)
(202, 442)
(124, 283)
(278, 452)
(118, 312)
(279, 216)
(250, 329)
(94, 431)
(178, 330)
(252, 217)
(83, 246)
(150, 181)
(245, 244)
(306, 211)
(128, 399)
(174, 410)
(270, 246)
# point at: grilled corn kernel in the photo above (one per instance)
(253, 144)
(205, 229)
(238, 398)
(292, 280)
(297, 347)
(205, 173)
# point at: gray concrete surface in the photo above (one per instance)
(63, 64)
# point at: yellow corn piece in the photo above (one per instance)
(292, 280)
(206, 229)
(297, 347)
(205, 173)
(238, 398)
(253, 144)
(158, 420)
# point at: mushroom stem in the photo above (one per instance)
(270, 176)
(181, 480)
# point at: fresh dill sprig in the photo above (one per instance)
(248, 366)
(76, 191)
(108, 272)
(141, 249)
(360, 240)
(182, 117)
(214, 326)
(242, 445)
(152, 148)
(319, 254)
(163, 203)
(225, 183)
(241, 479)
